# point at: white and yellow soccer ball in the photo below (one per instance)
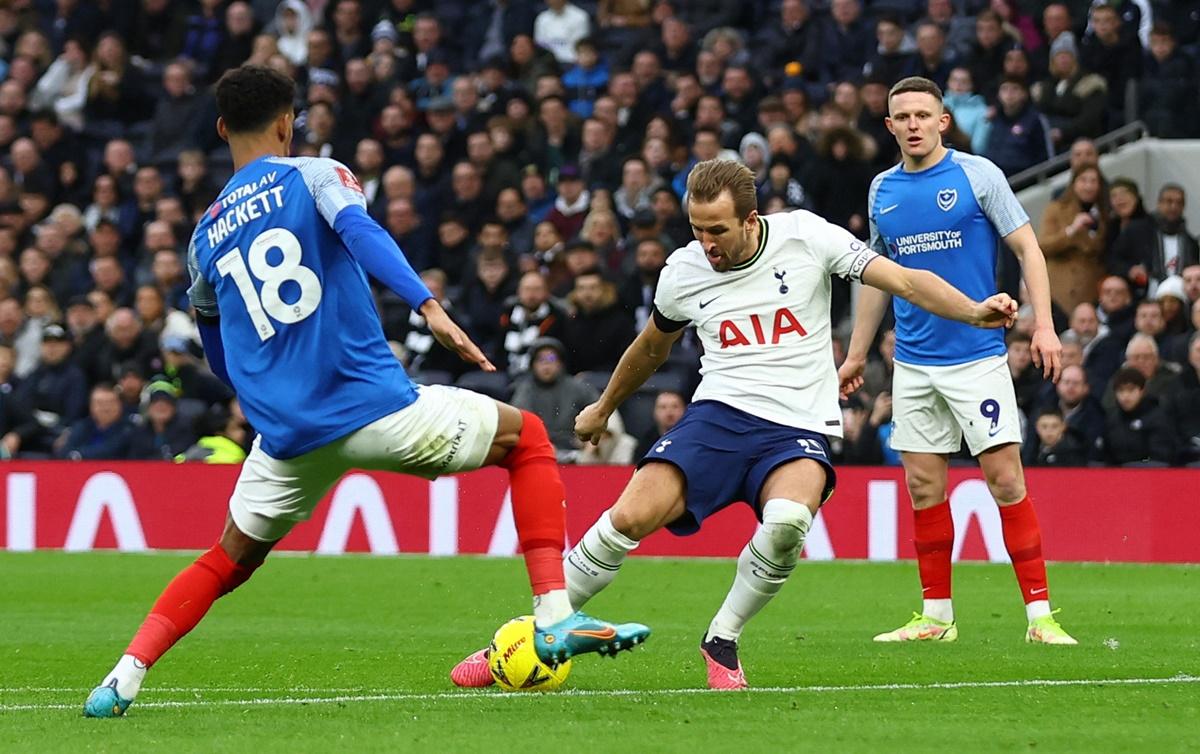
(514, 662)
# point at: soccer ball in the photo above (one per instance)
(514, 662)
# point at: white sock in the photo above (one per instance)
(1037, 609)
(129, 674)
(765, 563)
(593, 562)
(551, 607)
(943, 610)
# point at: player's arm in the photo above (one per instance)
(868, 313)
(208, 318)
(1045, 348)
(931, 293)
(643, 357)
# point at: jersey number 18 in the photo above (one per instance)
(273, 276)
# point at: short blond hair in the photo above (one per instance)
(709, 179)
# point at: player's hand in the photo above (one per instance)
(996, 311)
(452, 336)
(1047, 353)
(591, 424)
(850, 375)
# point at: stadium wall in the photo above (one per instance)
(1118, 515)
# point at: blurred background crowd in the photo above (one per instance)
(530, 159)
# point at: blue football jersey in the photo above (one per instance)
(947, 219)
(304, 345)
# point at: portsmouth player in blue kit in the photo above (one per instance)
(279, 269)
(945, 211)
(757, 290)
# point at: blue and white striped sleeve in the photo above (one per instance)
(992, 192)
(333, 186)
(200, 292)
(878, 245)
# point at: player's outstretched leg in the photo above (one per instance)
(933, 536)
(1023, 541)
(653, 498)
(762, 568)
(539, 503)
(176, 612)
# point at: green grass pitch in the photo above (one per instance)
(352, 654)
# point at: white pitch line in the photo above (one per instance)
(482, 696)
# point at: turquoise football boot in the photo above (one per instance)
(581, 633)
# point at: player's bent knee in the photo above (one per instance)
(786, 523)
(533, 443)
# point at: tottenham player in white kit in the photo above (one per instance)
(757, 290)
(944, 211)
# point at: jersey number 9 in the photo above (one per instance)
(273, 276)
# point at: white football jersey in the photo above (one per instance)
(765, 323)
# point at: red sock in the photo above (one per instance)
(539, 504)
(185, 601)
(1023, 540)
(934, 538)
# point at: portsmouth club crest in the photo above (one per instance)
(947, 198)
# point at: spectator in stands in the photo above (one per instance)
(87, 333)
(293, 22)
(55, 395)
(571, 206)
(1072, 98)
(1073, 399)
(126, 341)
(968, 107)
(1165, 101)
(1175, 247)
(862, 424)
(117, 93)
(1018, 135)
(193, 381)
(637, 292)
(64, 86)
(1027, 379)
(21, 334)
(1135, 230)
(1085, 326)
(408, 327)
(847, 41)
(174, 116)
(484, 297)
(894, 58)
(1173, 304)
(668, 410)
(616, 446)
(1142, 354)
(1116, 57)
(985, 57)
(602, 230)
(1176, 345)
(559, 27)
(1136, 431)
(598, 330)
(104, 434)
(934, 59)
(795, 37)
(532, 315)
(222, 437)
(1056, 443)
(1191, 282)
(163, 433)
(1056, 20)
(1073, 235)
(553, 395)
(1181, 406)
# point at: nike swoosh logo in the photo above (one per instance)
(1038, 591)
(886, 210)
(603, 635)
(706, 303)
(993, 432)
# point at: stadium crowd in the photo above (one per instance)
(530, 159)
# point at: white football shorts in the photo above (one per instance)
(934, 407)
(445, 430)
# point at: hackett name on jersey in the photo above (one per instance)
(784, 322)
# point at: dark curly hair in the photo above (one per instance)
(250, 97)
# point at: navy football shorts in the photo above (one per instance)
(726, 455)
